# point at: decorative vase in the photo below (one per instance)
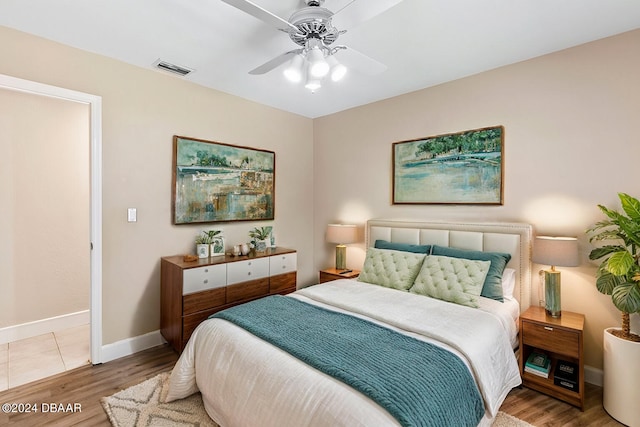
(244, 249)
(621, 378)
(202, 250)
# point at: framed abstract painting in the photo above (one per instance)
(216, 182)
(457, 168)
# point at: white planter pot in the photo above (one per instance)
(202, 250)
(621, 393)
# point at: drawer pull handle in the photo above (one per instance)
(249, 263)
(206, 281)
(548, 328)
(249, 274)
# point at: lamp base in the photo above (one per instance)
(552, 293)
(341, 257)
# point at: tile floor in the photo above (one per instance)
(34, 358)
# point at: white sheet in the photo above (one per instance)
(247, 382)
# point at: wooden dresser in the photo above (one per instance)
(192, 291)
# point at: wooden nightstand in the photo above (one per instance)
(560, 339)
(330, 274)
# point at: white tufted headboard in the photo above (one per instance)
(512, 238)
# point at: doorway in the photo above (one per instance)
(54, 214)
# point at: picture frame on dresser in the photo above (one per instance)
(218, 182)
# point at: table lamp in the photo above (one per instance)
(341, 234)
(554, 251)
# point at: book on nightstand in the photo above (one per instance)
(538, 364)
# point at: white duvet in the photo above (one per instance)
(245, 381)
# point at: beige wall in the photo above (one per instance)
(44, 219)
(569, 122)
(142, 110)
(571, 142)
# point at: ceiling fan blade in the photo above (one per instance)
(262, 14)
(275, 62)
(355, 12)
(353, 59)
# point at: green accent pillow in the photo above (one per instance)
(391, 269)
(406, 247)
(492, 287)
(456, 280)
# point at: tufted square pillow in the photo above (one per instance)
(492, 287)
(407, 247)
(391, 269)
(450, 279)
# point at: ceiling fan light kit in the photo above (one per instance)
(311, 29)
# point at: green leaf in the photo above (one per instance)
(626, 297)
(598, 253)
(620, 263)
(607, 282)
(631, 206)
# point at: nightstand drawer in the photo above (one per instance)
(551, 338)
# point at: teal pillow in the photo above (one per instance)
(456, 280)
(492, 287)
(391, 269)
(406, 247)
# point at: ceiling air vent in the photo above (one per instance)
(172, 68)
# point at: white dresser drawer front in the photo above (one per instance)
(204, 278)
(243, 271)
(281, 264)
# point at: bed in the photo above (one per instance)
(457, 351)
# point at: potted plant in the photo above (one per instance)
(259, 237)
(619, 276)
(202, 245)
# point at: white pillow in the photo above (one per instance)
(508, 282)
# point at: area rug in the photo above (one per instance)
(142, 405)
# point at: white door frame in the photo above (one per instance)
(95, 105)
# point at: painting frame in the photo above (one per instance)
(460, 168)
(215, 182)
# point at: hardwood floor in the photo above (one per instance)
(86, 385)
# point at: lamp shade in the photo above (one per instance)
(342, 233)
(556, 251)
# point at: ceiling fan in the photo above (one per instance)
(315, 30)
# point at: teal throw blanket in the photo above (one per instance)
(418, 383)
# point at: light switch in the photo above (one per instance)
(132, 215)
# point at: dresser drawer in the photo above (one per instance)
(551, 338)
(281, 264)
(282, 282)
(247, 290)
(204, 300)
(244, 271)
(204, 278)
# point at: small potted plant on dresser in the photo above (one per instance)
(260, 238)
(202, 245)
(619, 276)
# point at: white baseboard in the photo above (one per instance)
(129, 346)
(593, 375)
(43, 326)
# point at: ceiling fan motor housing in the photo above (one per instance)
(313, 22)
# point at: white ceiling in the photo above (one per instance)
(422, 42)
